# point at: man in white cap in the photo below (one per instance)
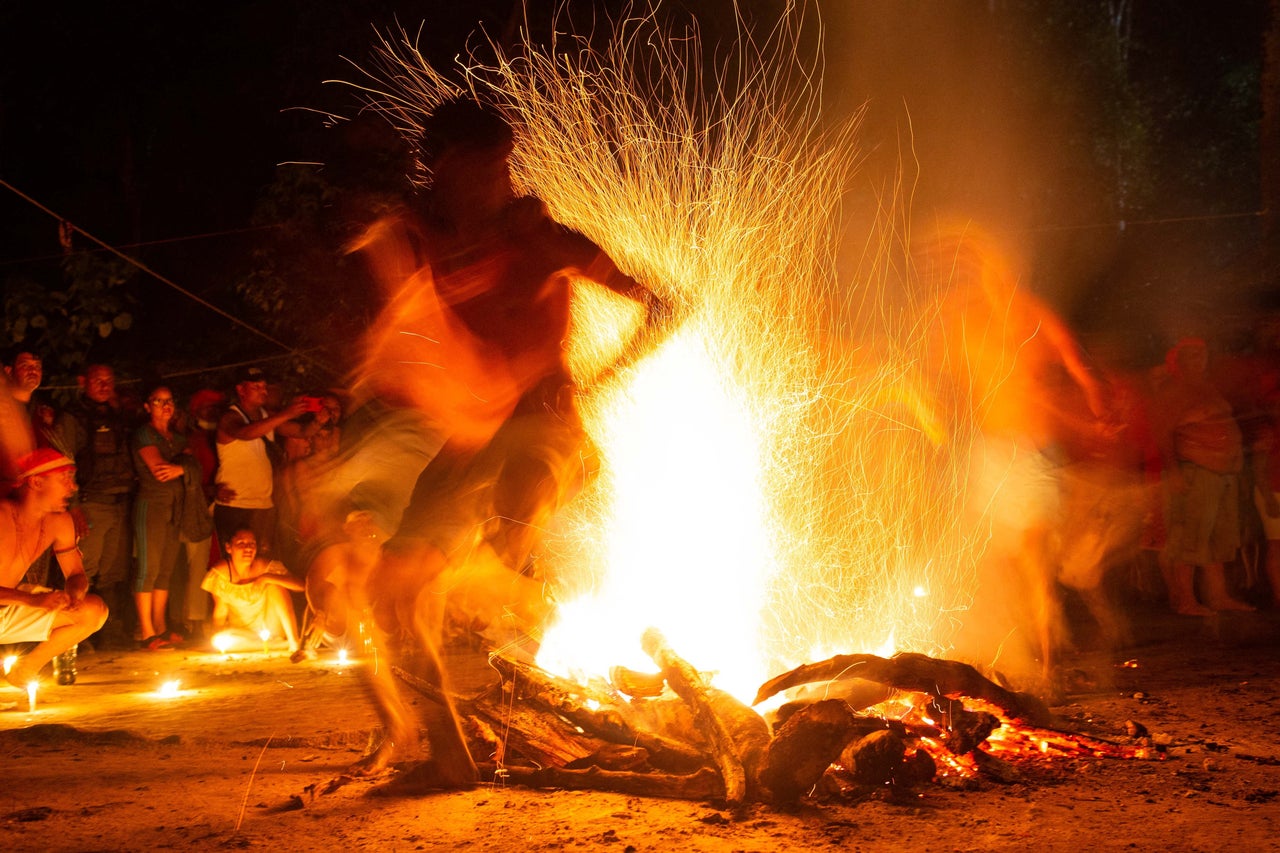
(34, 519)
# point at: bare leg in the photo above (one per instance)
(280, 614)
(143, 603)
(1216, 595)
(400, 731)
(1180, 579)
(69, 628)
(159, 610)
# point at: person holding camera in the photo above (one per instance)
(245, 472)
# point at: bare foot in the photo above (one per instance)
(1232, 604)
(432, 775)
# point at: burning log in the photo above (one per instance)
(914, 672)
(540, 737)
(805, 746)
(606, 721)
(735, 752)
(963, 730)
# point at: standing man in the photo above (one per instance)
(1203, 455)
(25, 371)
(94, 431)
(245, 473)
(30, 522)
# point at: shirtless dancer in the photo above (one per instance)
(30, 521)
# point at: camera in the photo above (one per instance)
(313, 404)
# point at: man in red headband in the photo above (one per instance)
(34, 519)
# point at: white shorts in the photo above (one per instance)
(22, 623)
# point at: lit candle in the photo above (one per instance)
(222, 642)
(265, 635)
(170, 689)
(342, 655)
(31, 694)
(9, 661)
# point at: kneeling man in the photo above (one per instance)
(31, 520)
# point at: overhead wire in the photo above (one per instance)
(164, 279)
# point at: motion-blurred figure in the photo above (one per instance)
(474, 337)
(1203, 453)
(1018, 367)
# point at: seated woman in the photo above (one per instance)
(251, 595)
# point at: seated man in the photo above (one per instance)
(336, 594)
(30, 522)
(251, 595)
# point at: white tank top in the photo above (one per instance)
(245, 467)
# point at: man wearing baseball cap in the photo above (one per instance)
(34, 519)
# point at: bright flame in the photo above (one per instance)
(169, 689)
(789, 471)
(342, 656)
(32, 687)
(9, 661)
(222, 641)
(702, 582)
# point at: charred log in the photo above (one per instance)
(918, 768)
(914, 672)
(874, 759)
(963, 730)
(805, 746)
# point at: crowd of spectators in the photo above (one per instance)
(164, 486)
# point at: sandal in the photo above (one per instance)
(156, 643)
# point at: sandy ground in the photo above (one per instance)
(236, 760)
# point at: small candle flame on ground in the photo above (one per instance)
(170, 689)
(222, 643)
(342, 656)
(265, 635)
(9, 661)
(32, 686)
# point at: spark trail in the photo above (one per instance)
(781, 479)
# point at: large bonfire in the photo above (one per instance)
(781, 479)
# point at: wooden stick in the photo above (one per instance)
(566, 699)
(689, 686)
(703, 785)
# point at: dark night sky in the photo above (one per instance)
(145, 121)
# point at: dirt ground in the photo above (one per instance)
(235, 761)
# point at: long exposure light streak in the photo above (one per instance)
(782, 478)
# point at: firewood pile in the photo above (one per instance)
(677, 737)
